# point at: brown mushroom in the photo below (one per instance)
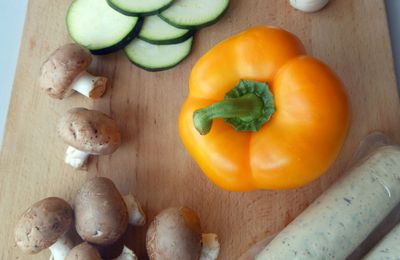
(86, 251)
(113, 250)
(101, 215)
(87, 132)
(65, 72)
(44, 225)
(83, 251)
(175, 233)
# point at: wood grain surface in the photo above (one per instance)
(350, 36)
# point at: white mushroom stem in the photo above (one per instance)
(308, 5)
(126, 254)
(75, 157)
(136, 213)
(60, 249)
(211, 247)
(89, 85)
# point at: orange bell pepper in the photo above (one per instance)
(263, 115)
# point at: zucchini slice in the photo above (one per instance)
(99, 28)
(193, 14)
(154, 57)
(157, 31)
(139, 7)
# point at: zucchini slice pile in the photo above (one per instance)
(155, 34)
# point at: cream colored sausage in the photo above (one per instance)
(388, 248)
(341, 218)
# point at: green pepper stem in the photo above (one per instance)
(247, 108)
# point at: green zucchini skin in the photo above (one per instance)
(152, 69)
(129, 13)
(169, 41)
(120, 45)
(199, 26)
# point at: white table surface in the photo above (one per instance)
(12, 16)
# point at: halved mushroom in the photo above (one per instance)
(87, 132)
(65, 72)
(175, 233)
(101, 215)
(44, 225)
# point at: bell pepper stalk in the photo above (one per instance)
(246, 107)
(261, 114)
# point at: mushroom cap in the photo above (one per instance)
(101, 216)
(42, 224)
(175, 233)
(61, 68)
(89, 131)
(114, 250)
(83, 251)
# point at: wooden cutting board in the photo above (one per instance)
(350, 36)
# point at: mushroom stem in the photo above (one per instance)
(60, 249)
(75, 157)
(136, 213)
(126, 254)
(308, 6)
(89, 85)
(210, 249)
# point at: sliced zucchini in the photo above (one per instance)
(99, 28)
(157, 31)
(192, 14)
(139, 7)
(154, 57)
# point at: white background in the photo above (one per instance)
(12, 15)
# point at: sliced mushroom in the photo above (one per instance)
(87, 132)
(83, 251)
(65, 72)
(175, 233)
(44, 225)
